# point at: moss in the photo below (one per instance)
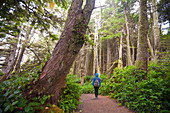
(1, 74)
(138, 63)
(52, 109)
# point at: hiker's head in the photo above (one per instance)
(97, 74)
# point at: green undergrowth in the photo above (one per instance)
(147, 96)
(70, 97)
(11, 98)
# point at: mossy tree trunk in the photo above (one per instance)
(71, 40)
(142, 54)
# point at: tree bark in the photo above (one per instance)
(74, 68)
(11, 61)
(142, 54)
(71, 40)
(108, 57)
(87, 51)
(86, 59)
(97, 67)
(17, 67)
(120, 61)
(129, 59)
(82, 64)
(156, 30)
(78, 65)
(104, 64)
(150, 47)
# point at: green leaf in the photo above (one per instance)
(7, 108)
(0, 110)
(27, 109)
(14, 102)
(6, 94)
(21, 104)
(12, 95)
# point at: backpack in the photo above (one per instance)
(96, 83)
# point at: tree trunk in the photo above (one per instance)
(82, 64)
(156, 30)
(74, 68)
(120, 61)
(104, 64)
(100, 54)
(71, 40)
(151, 48)
(142, 54)
(94, 57)
(17, 67)
(108, 57)
(87, 48)
(11, 61)
(99, 40)
(78, 65)
(129, 59)
(97, 68)
(133, 51)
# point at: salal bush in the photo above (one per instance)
(129, 88)
(11, 98)
(70, 97)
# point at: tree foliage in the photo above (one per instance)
(163, 9)
(129, 88)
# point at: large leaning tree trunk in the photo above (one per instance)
(142, 54)
(71, 40)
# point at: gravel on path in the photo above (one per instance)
(102, 104)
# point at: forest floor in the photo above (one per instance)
(102, 104)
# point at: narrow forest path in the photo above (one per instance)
(101, 105)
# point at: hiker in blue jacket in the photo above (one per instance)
(96, 85)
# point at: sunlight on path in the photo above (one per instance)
(101, 105)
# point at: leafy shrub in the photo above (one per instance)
(11, 98)
(87, 88)
(129, 87)
(69, 99)
(103, 78)
(88, 79)
(73, 78)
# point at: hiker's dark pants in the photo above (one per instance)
(96, 91)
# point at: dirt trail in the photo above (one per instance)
(101, 105)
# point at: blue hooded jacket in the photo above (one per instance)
(95, 79)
